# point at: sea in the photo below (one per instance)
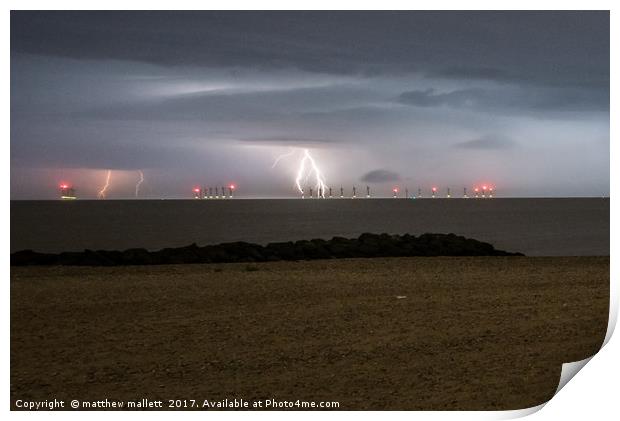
(535, 227)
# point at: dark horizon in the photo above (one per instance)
(386, 197)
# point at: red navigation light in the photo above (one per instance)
(232, 186)
(484, 187)
(434, 188)
(395, 189)
(196, 190)
(63, 186)
(476, 189)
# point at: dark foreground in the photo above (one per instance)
(392, 333)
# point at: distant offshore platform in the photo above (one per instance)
(482, 192)
(67, 192)
(479, 192)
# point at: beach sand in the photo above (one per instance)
(468, 333)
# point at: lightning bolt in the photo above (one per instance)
(101, 194)
(286, 155)
(319, 180)
(300, 174)
(140, 181)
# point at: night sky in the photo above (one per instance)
(519, 100)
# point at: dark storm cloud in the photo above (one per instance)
(520, 75)
(485, 73)
(380, 176)
(500, 100)
(518, 45)
(487, 142)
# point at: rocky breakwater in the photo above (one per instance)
(366, 245)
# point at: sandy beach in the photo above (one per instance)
(458, 333)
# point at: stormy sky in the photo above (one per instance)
(518, 100)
